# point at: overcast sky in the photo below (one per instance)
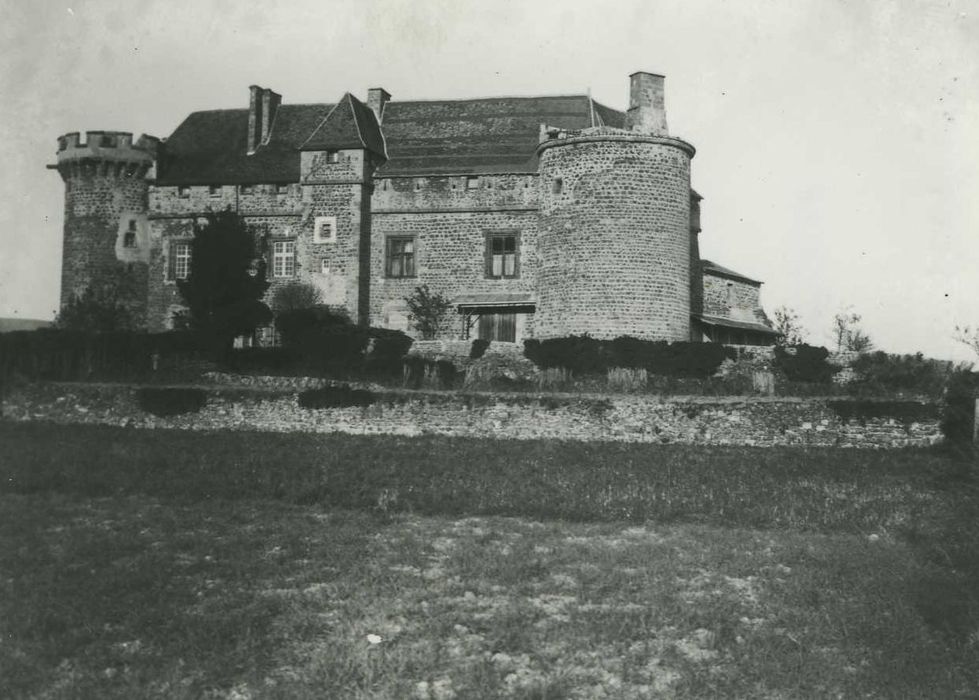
(838, 141)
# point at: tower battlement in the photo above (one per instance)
(106, 153)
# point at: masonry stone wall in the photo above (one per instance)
(105, 189)
(614, 237)
(730, 298)
(642, 419)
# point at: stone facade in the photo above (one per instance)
(536, 217)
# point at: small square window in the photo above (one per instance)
(325, 229)
(282, 189)
(183, 191)
(214, 190)
(248, 189)
(472, 183)
(333, 156)
(129, 239)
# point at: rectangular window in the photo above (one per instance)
(283, 258)
(501, 255)
(282, 189)
(472, 183)
(214, 190)
(183, 191)
(180, 257)
(401, 257)
(333, 156)
(324, 229)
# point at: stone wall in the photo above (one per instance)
(615, 242)
(650, 419)
(730, 298)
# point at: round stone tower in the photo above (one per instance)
(106, 236)
(614, 237)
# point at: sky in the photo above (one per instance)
(837, 140)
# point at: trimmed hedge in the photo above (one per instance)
(170, 401)
(59, 354)
(805, 363)
(583, 355)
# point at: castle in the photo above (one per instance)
(536, 216)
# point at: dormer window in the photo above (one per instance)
(333, 156)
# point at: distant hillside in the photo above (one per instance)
(22, 324)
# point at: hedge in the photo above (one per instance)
(583, 355)
(880, 373)
(170, 401)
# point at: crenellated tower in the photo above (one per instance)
(615, 226)
(106, 236)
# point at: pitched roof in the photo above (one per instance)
(710, 267)
(351, 124)
(497, 134)
(212, 147)
(758, 327)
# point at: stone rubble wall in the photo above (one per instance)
(621, 418)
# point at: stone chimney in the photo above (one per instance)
(647, 110)
(262, 107)
(376, 99)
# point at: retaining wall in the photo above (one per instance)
(627, 418)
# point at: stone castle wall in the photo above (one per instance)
(614, 242)
(723, 296)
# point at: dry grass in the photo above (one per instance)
(134, 597)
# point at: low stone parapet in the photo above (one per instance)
(626, 418)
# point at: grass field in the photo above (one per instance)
(169, 564)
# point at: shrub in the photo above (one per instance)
(170, 401)
(959, 408)
(420, 372)
(883, 373)
(326, 342)
(479, 348)
(336, 397)
(584, 355)
(805, 363)
(427, 311)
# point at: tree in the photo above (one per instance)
(101, 307)
(226, 281)
(968, 336)
(789, 327)
(848, 334)
(427, 311)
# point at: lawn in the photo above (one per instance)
(383, 567)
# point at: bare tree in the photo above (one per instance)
(789, 327)
(968, 336)
(848, 334)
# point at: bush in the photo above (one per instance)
(336, 397)
(904, 411)
(805, 363)
(959, 409)
(170, 402)
(420, 372)
(882, 373)
(585, 355)
(325, 342)
(479, 348)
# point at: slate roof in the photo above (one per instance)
(713, 268)
(351, 124)
(422, 137)
(758, 327)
